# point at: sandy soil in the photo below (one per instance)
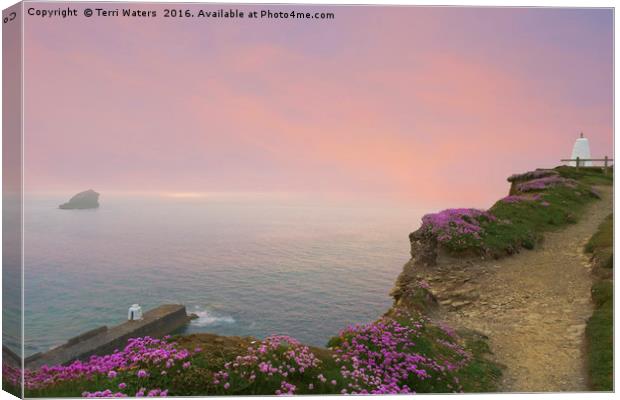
(533, 306)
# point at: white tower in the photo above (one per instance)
(581, 149)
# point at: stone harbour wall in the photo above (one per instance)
(158, 322)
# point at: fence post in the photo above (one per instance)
(577, 164)
(605, 168)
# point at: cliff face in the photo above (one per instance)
(516, 179)
(410, 289)
(83, 200)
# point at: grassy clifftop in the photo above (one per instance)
(539, 201)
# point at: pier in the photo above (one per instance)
(158, 322)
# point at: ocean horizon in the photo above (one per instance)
(246, 267)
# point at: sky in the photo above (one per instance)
(419, 105)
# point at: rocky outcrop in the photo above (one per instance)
(423, 248)
(411, 291)
(83, 200)
(539, 173)
(536, 174)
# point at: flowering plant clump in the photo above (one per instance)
(13, 376)
(271, 364)
(423, 284)
(515, 198)
(457, 228)
(398, 354)
(387, 357)
(104, 393)
(536, 174)
(143, 362)
(546, 183)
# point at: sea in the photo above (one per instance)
(247, 266)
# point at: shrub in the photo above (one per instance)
(144, 367)
(546, 183)
(536, 174)
(398, 355)
(457, 229)
(276, 365)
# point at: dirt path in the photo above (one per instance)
(533, 306)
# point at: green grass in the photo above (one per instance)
(602, 292)
(599, 328)
(601, 244)
(599, 336)
(522, 224)
(587, 175)
(481, 375)
(603, 238)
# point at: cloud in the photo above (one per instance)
(423, 105)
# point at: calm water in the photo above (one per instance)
(246, 268)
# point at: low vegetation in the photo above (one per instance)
(540, 200)
(522, 222)
(588, 175)
(600, 245)
(403, 353)
(599, 329)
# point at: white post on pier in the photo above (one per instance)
(134, 313)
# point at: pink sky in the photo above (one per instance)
(423, 105)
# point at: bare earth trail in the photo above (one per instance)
(533, 306)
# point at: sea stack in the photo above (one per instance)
(83, 200)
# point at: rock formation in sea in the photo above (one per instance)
(83, 200)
